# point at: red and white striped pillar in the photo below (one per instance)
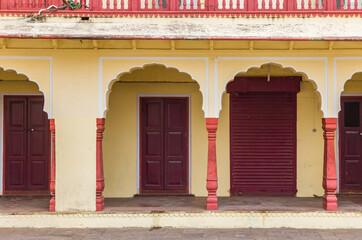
(211, 185)
(329, 167)
(99, 165)
(52, 171)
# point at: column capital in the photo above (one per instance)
(329, 124)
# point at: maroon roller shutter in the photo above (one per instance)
(263, 134)
(263, 142)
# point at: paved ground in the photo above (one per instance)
(173, 234)
(26, 205)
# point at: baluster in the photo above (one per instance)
(146, 4)
(349, 4)
(317, 4)
(252, 4)
(230, 4)
(355, 4)
(122, 5)
(30, 4)
(153, 4)
(270, 4)
(263, 3)
(238, 4)
(302, 5)
(198, 5)
(310, 4)
(108, 4)
(223, 4)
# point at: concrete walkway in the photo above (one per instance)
(173, 234)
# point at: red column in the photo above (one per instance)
(329, 166)
(99, 165)
(211, 186)
(52, 173)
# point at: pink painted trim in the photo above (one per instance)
(250, 8)
(211, 185)
(52, 173)
(329, 167)
(99, 165)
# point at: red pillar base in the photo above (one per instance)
(99, 203)
(52, 204)
(330, 203)
(211, 202)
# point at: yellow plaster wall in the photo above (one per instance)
(76, 102)
(75, 96)
(310, 144)
(120, 136)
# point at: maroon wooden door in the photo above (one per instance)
(351, 145)
(26, 144)
(164, 144)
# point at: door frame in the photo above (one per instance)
(339, 147)
(2, 135)
(138, 149)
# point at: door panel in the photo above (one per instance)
(15, 143)
(26, 144)
(350, 131)
(38, 145)
(152, 144)
(175, 144)
(164, 144)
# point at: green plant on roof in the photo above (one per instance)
(72, 5)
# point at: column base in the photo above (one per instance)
(330, 203)
(99, 203)
(211, 203)
(52, 204)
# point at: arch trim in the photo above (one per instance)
(324, 99)
(50, 112)
(155, 60)
(337, 95)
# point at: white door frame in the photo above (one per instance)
(188, 96)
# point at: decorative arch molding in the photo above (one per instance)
(322, 93)
(339, 87)
(104, 101)
(48, 95)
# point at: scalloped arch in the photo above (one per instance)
(27, 78)
(143, 67)
(295, 72)
(356, 76)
